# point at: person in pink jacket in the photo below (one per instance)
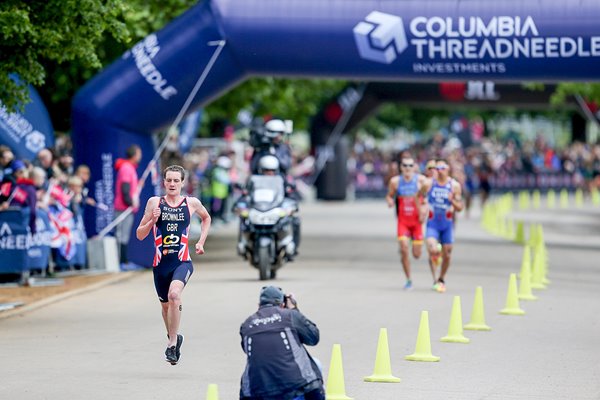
(126, 195)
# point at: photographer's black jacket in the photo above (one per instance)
(277, 363)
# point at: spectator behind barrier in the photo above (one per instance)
(126, 195)
(6, 159)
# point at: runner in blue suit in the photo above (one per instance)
(444, 197)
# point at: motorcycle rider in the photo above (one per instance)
(269, 165)
(269, 141)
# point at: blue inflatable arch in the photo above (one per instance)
(409, 40)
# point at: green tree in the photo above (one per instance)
(57, 45)
(33, 33)
(297, 100)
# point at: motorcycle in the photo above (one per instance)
(266, 216)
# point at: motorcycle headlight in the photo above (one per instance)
(264, 218)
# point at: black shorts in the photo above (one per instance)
(167, 272)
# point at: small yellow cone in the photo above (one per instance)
(512, 298)
(510, 229)
(551, 198)
(544, 255)
(423, 346)
(537, 269)
(520, 233)
(383, 368)
(455, 328)
(523, 200)
(545, 280)
(336, 388)
(579, 198)
(477, 322)
(595, 195)
(525, 286)
(525, 261)
(533, 239)
(536, 199)
(564, 198)
(212, 393)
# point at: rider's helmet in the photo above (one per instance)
(268, 165)
(275, 128)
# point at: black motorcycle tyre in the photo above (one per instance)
(264, 263)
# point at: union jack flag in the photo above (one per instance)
(60, 196)
(5, 189)
(184, 254)
(157, 246)
(20, 195)
(61, 222)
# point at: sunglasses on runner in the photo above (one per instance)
(441, 167)
(408, 165)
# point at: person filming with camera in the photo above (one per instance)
(269, 139)
(278, 366)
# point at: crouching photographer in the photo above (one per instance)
(278, 366)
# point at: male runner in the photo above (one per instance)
(169, 219)
(444, 198)
(403, 191)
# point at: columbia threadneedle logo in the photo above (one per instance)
(381, 37)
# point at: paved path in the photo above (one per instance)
(109, 343)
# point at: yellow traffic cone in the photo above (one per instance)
(533, 229)
(595, 195)
(537, 270)
(579, 198)
(509, 200)
(512, 299)
(336, 389)
(564, 198)
(544, 255)
(536, 199)
(525, 286)
(551, 198)
(383, 368)
(523, 200)
(520, 233)
(455, 328)
(423, 347)
(545, 280)
(510, 229)
(525, 261)
(477, 322)
(212, 393)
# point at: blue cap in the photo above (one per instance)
(17, 165)
(271, 295)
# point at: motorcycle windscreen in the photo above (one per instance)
(266, 192)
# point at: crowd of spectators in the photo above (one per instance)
(484, 165)
(51, 183)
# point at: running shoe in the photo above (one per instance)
(178, 346)
(440, 287)
(408, 285)
(171, 355)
